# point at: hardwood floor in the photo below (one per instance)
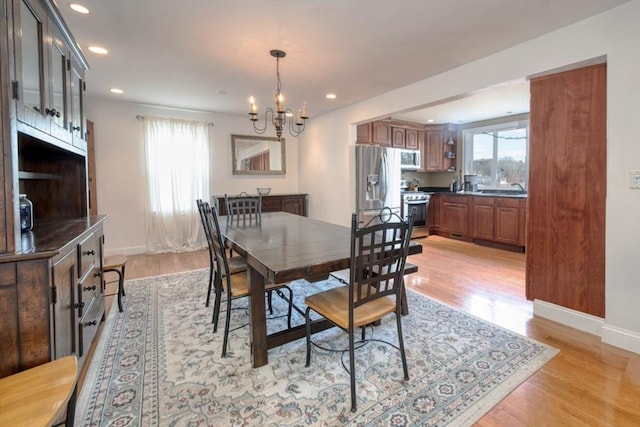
(587, 383)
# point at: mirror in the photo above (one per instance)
(257, 155)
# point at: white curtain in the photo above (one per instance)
(177, 157)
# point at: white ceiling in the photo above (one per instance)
(211, 55)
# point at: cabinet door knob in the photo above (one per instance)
(92, 323)
(79, 305)
(76, 128)
(91, 252)
(90, 288)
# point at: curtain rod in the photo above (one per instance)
(139, 117)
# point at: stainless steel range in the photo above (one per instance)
(419, 201)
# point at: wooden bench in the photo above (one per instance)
(39, 396)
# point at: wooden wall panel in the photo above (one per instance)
(567, 185)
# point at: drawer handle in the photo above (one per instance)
(79, 305)
(91, 252)
(90, 288)
(92, 323)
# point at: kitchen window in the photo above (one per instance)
(498, 154)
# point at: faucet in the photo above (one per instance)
(519, 186)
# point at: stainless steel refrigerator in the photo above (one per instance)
(377, 180)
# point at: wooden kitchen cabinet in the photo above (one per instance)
(364, 133)
(507, 221)
(483, 221)
(433, 214)
(411, 138)
(397, 137)
(381, 133)
(433, 151)
(454, 216)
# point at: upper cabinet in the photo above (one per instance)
(48, 75)
(440, 148)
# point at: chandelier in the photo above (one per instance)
(280, 116)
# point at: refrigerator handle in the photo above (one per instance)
(384, 177)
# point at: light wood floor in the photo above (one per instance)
(587, 384)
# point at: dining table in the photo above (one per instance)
(279, 248)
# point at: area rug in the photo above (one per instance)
(159, 364)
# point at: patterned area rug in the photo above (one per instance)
(159, 364)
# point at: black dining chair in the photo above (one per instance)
(243, 208)
(236, 264)
(236, 285)
(378, 255)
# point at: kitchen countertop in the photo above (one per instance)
(446, 191)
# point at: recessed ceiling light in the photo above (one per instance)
(331, 96)
(79, 8)
(116, 90)
(430, 120)
(99, 50)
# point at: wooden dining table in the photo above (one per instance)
(280, 248)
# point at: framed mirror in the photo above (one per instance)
(257, 155)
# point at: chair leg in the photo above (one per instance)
(308, 327)
(226, 328)
(206, 304)
(352, 370)
(269, 298)
(120, 288)
(401, 345)
(123, 294)
(290, 307)
(217, 302)
(71, 408)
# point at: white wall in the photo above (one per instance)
(327, 153)
(120, 166)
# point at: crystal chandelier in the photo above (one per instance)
(280, 116)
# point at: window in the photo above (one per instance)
(497, 154)
(177, 159)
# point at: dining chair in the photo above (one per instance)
(243, 208)
(236, 264)
(378, 256)
(236, 285)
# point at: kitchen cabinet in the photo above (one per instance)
(48, 310)
(397, 137)
(364, 133)
(292, 203)
(433, 150)
(454, 211)
(411, 139)
(483, 222)
(433, 215)
(565, 263)
(381, 133)
(45, 73)
(440, 148)
(507, 221)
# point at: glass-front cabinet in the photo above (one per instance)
(48, 74)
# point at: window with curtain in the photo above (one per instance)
(177, 164)
(498, 154)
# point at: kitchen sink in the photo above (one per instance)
(510, 193)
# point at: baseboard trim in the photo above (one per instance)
(622, 338)
(131, 250)
(566, 316)
(611, 335)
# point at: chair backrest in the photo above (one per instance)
(203, 209)
(243, 208)
(218, 245)
(378, 255)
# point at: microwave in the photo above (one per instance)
(410, 159)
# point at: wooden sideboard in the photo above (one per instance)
(51, 295)
(292, 203)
